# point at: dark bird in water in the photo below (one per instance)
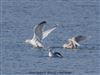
(54, 54)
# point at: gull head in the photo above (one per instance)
(49, 50)
(50, 53)
(70, 40)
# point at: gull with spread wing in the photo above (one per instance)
(74, 42)
(39, 35)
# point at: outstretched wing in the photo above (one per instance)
(57, 54)
(80, 38)
(46, 33)
(74, 42)
(38, 30)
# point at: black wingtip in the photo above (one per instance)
(43, 22)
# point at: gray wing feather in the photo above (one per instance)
(38, 30)
(46, 33)
(80, 38)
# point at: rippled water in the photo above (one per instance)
(75, 17)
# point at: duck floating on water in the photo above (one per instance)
(54, 54)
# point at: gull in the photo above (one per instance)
(39, 35)
(74, 42)
(54, 54)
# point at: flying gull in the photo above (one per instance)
(39, 35)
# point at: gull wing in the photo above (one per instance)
(46, 33)
(76, 43)
(38, 30)
(57, 54)
(80, 38)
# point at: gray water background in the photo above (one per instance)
(75, 17)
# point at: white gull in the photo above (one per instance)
(74, 42)
(39, 35)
